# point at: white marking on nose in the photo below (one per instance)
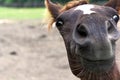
(86, 8)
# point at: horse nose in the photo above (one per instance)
(80, 34)
(91, 45)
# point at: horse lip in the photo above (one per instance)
(98, 65)
(89, 60)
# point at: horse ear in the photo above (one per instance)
(54, 9)
(114, 4)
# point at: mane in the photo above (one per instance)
(72, 4)
(66, 7)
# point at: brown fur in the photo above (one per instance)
(85, 74)
(72, 4)
(78, 70)
(61, 9)
(115, 4)
(52, 9)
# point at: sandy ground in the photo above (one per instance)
(29, 52)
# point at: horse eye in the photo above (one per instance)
(116, 18)
(59, 23)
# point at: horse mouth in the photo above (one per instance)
(86, 58)
(98, 65)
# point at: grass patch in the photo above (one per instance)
(21, 13)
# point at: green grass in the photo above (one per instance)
(21, 13)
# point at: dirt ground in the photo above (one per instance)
(28, 51)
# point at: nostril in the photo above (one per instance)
(113, 33)
(81, 34)
(110, 27)
(81, 30)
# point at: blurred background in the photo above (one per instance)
(28, 51)
(27, 9)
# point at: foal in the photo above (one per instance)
(89, 33)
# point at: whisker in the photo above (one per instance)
(77, 69)
(76, 65)
(72, 59)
